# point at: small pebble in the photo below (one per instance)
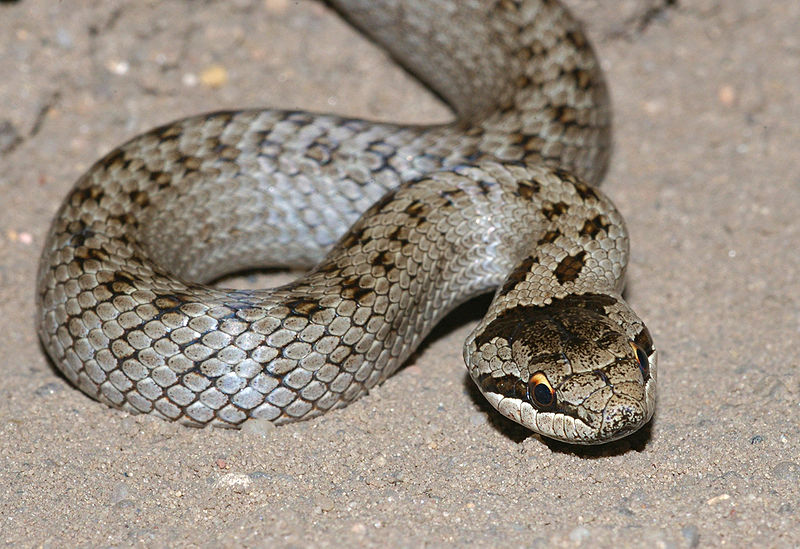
(214, 76)
(189, 80)
(118, 67)
(717, 499)
(727, 95)
(236, 481)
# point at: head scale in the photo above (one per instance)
(581, 369)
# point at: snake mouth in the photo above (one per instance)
(619, 416)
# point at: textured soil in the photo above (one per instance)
(705, 170)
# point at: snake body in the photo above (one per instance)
(403, 223)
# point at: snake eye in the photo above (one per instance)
(540, 393)
(643, 360)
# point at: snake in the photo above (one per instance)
(396, 225)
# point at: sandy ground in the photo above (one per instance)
(705, 170)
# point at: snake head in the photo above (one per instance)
(581, 369)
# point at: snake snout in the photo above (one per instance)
(621, 417)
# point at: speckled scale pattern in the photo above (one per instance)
(495, 199)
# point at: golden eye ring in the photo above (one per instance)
(540, 393)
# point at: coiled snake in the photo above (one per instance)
(403, 224)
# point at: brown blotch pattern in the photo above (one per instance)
(518, 274)
(592, 227)
(553, 210)
(585, 191)
(570, 267)
(549, 237)
(527, 189)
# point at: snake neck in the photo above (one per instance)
(520, 75)
(433, 244)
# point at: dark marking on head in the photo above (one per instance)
(511, 322)
(592, 227)
(508, 386)
(570, 267)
